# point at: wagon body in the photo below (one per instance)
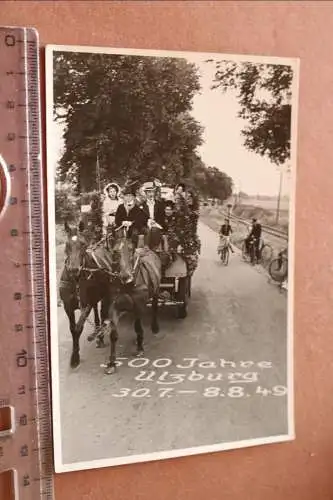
(175, 287)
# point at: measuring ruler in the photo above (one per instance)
(25, 423)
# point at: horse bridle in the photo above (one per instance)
(113, 275)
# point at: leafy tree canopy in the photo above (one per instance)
(264, 94)
(134, 114)
(135, 111)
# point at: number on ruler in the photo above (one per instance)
(23, 420)
(24, 451)
(26, 480)
(10, 40)
(22, 359)
(21, 390)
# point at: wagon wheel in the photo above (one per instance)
(182, 296)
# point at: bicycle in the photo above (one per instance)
(224, 255)
(278, 268)
(224, 251)
(257, 254)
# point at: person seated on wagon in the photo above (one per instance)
(225, 234)
(169, 219)
(131, 216)
(154, 205)
(140, 198)
(193, 208)
(180, 189)
(110, 204)
(169, 226)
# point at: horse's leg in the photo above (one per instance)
(85, 311)
(139, 305)
(70, 311)
(139, 335)
(93, 335)
(105, 304)
(75, 359)
(155, 328)
(112, 323)
(96, 316)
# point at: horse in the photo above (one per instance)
(140, 271)
(82, 286)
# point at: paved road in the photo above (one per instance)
(235, 315)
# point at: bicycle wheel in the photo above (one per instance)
(266, 254)
(225, 256)
(278, 269)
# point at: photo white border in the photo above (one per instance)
(294, 63)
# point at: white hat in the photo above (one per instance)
(110, 185)
(148, 186)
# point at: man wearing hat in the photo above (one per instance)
(129, 214)
(110, 204)
(154, 204)
(255, 235)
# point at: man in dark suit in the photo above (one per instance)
(129, 213)
(255, 235)
(154, 204)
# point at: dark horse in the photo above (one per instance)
(140, 277)
(119, 276)
(82, 286)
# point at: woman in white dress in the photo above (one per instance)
(110, 204)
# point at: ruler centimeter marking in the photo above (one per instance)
(26, 445)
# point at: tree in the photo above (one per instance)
(210, 181)
(264, 94)
(133, 111)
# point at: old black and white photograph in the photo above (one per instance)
(171, 197)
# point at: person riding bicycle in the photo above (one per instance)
(225, 233)
(254, 237)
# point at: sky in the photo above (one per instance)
(223, 144)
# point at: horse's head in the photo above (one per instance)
(123, 252)
(75, 248)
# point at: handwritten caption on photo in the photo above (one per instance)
(166, 379)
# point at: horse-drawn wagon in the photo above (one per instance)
(175, 287)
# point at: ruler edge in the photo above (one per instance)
(33, 32)
(43, 183)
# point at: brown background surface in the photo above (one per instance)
(302, 469)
